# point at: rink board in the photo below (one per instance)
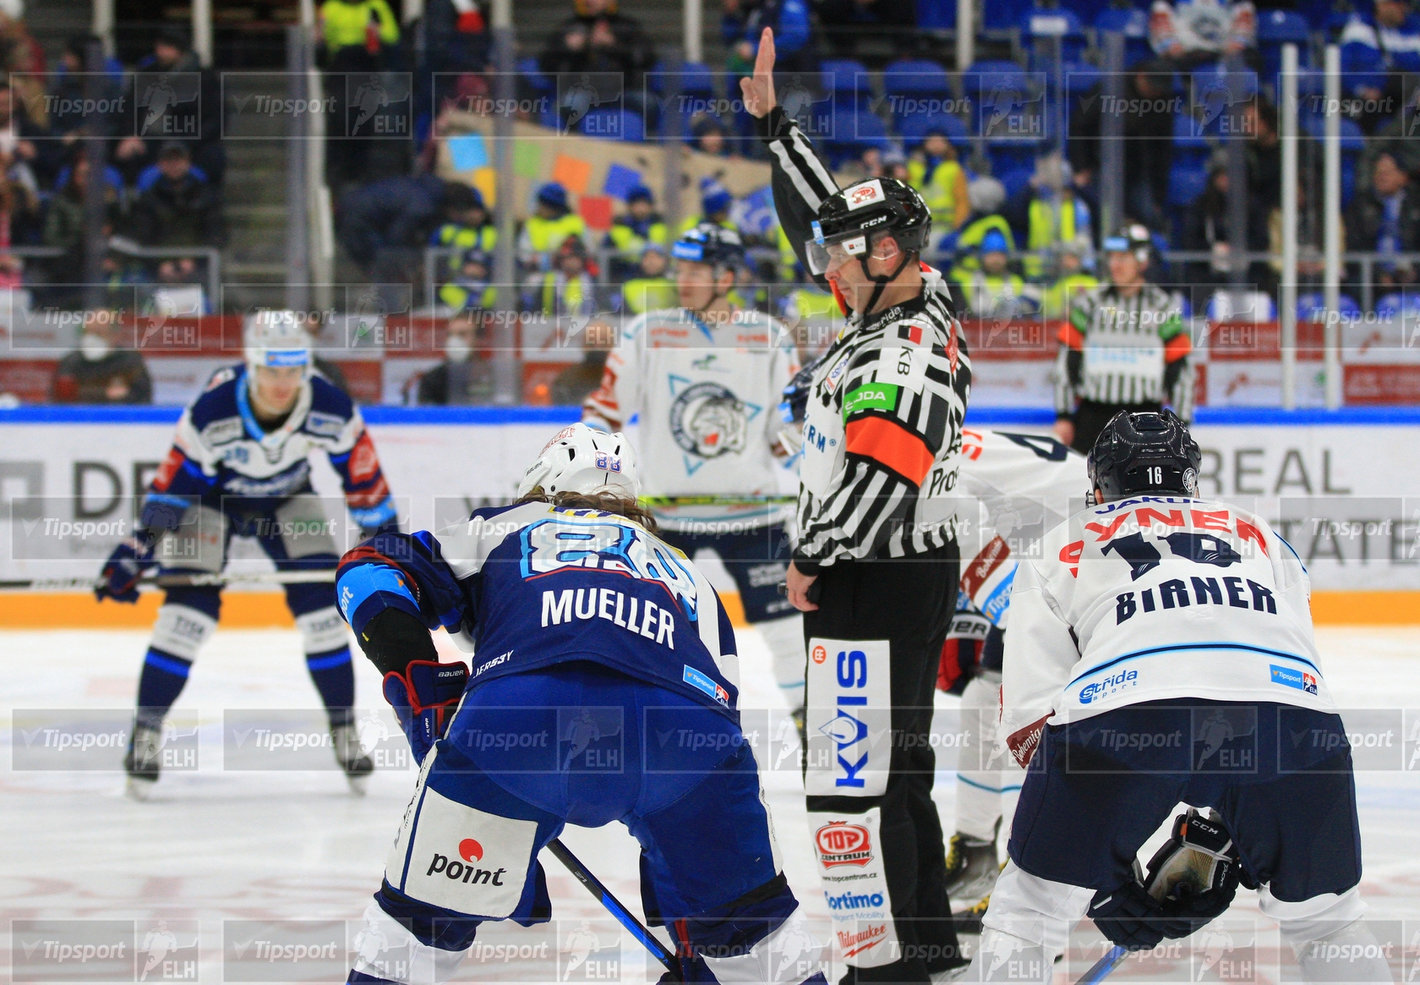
(1343, 488)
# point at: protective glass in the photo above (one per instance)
(823, 256)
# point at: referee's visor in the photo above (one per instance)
(822, 254)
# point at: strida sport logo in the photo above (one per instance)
(470, 851)
(841, 843)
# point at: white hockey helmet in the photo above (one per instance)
(583, 459)
(277, 337)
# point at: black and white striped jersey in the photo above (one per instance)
(883, 425)
(1125, 350)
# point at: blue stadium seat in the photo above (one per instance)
(916, 77)
(1054, 22)
(855, 130)
(1312, 306)
(1353, 143)
(613, 124)
(848, 81)
(914, 127)
(1133, 23)
(1003, 15)
(695, 77)
(1278, 27)
(937, 15)
(1397, 305)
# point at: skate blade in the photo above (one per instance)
(358, 784)
(139, 790)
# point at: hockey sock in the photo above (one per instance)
(162, 680)
(785, 639)
(981, 777)
(334, 677)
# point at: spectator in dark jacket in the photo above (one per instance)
(465, 376)
(1206, 229)
(65, 224)
(178, 100)
(1385, 218)
(743, 21)
(1147, 125)
(385, 225)
(178, 209)
(597, 39)
(101, 370)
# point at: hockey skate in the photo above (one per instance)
(971, 867)
(351, 758)
(143, 760)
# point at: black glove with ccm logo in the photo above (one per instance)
(1192, 879)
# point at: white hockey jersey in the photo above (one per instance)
(1015, 486)
(708, 401)
(1156, 597)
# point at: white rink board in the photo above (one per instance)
(1347, 497)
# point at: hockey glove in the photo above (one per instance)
(424, 698)
(1196, 873)
(1133, 919)
(124, 567)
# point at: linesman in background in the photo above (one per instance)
(1125, 347)
(875, 567)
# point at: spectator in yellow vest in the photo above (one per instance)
(551, 223)
(1074, 278)
(650, 289)
(469, 287)
(986, 195)
(933, 170)
(470, 235)
(992, 290)
(632, 232)
(355, 35)
(567, 290)
(1050, 212)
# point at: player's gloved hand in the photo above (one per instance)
(424, 697)
(123, 568)
(1133, 919)
(1195, 874)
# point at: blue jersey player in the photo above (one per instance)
(603, 688)
(240, 466)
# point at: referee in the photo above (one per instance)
(1125, 347)
(876, 563)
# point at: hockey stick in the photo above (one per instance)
(747, 500)
(190, 579)
(623, 916)
(1103, 966)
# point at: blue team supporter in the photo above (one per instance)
(1374, 46)
(603, 689)
(240, 466)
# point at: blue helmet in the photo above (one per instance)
(709, 243)
(552, 194)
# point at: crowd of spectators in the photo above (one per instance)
(154, 130)
(1016, 219)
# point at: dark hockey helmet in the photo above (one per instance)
(1133, 238)
(712, 244)
(1144, 452)
(849, 218)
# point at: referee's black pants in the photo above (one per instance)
(898, 609)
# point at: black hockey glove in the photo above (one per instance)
(1195, 874)
(1133, 919)
(123, 569)
(394, 638)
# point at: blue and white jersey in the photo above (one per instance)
(1155, 597)
(529, 586)
(220, 453)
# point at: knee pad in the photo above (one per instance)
(761, 938)
(322, 630)
(181, 630)
(386, 949)
(848, 718)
